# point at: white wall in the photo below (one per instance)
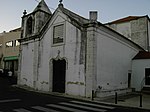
(37, 56)
(27, 65)
(112, 57)
(70, 51)
(113, 62)
(138, 72)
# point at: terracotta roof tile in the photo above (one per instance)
(126, 19)
(142, 55)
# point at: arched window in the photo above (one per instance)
(29, 25)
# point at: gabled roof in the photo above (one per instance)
(126, 19)
(81, 20)
(142, 55)
(43, 7)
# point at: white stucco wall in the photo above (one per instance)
(108, 59)
(70, 51)
(138, 73)
(28, 64)
(113, 62)
(75, 77)
(36, 59)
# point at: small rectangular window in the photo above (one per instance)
(17, 43)
(9, 44)
(58, 36)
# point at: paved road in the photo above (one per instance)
(18, 100)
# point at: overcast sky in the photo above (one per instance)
(108, 10)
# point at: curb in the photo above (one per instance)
(96, 100)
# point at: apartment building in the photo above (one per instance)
(135, 28)
(9, 50)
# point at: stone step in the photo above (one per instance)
(146, 90)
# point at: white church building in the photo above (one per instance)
(66, 53)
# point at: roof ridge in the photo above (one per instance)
(125, 19)
(75, 16)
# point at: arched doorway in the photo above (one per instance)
(59, 75)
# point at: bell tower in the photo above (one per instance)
(33, 22)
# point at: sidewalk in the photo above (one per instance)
(130, 100)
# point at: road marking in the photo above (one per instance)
(84, 107)
(44, 109)
(10, 100)
(95, 105)
(65, 108)
(21, 110)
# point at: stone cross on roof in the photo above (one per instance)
(60, 1)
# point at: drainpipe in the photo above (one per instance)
(148, 34)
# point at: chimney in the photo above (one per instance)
(93, 16)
